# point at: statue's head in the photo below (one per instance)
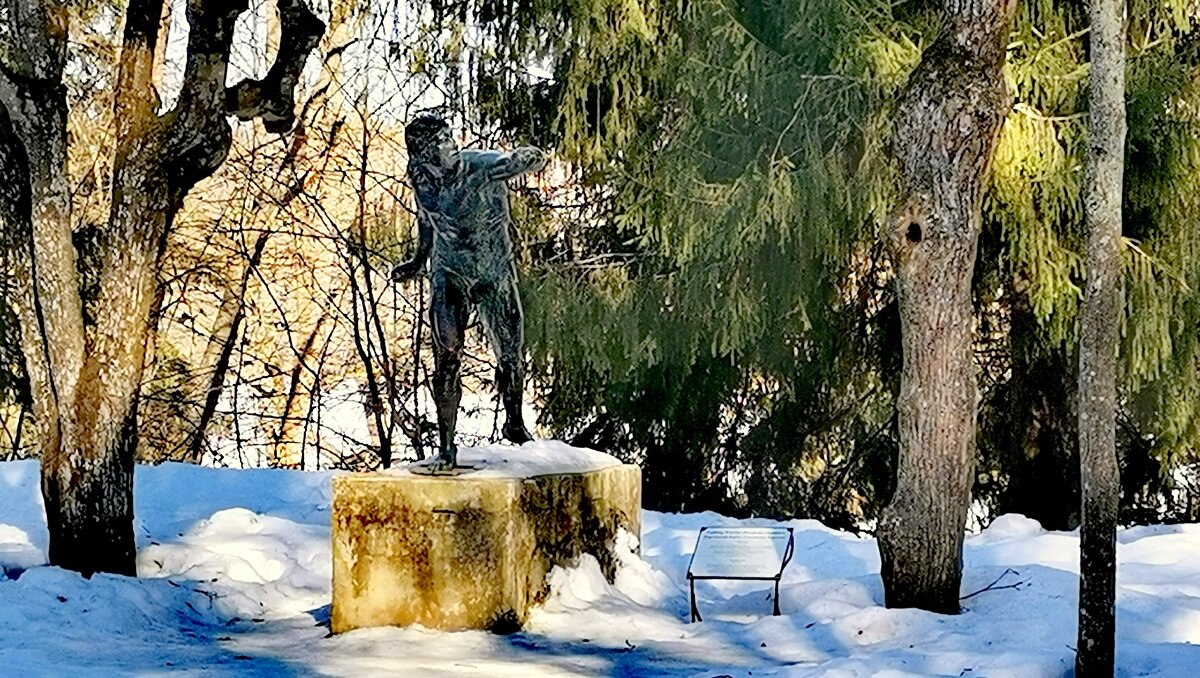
(429, 142)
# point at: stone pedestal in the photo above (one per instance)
(470, 551)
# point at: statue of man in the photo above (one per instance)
(463, 224)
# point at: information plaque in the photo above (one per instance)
(748, 553)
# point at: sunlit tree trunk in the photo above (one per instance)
(947, 122)
(48, 303)
(85, 380)
(1099, 323)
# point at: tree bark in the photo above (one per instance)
(92, 527)
(47, 298)
(947, 122)
(85, 380)
(1099, 323)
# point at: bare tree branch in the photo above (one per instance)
(272, 99)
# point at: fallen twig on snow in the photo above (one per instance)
(993, 587)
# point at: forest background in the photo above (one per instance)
(706, 286)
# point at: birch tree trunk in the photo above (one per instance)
(85, 380)
(1100, 319)
(948, 119)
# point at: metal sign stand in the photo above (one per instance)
(787, 558)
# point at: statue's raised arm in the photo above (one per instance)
(500, 165)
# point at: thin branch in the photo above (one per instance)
(993, 587)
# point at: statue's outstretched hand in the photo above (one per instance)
(528, 158)
(406, 271)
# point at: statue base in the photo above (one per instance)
(472, 551)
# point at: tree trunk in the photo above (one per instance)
(90, 517)
(88, 491)
(75, 479)
(84, 381)
(1098, 326)
(947, 123)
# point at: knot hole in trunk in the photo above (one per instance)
(913, 233)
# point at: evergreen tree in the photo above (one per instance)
(732, 196)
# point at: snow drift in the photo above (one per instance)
(235, 579)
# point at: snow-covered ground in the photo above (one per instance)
(235, 580)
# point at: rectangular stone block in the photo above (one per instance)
(470, 551)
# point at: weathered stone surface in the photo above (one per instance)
(470, 551)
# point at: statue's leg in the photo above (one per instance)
(448, 315)
(500, 308)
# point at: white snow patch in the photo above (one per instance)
(1009, 527)
(256, 565)
(536, 458)
(636, 578)
(17, 553)
(577, 587)
(235, 568)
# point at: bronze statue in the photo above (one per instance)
(463, 222)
